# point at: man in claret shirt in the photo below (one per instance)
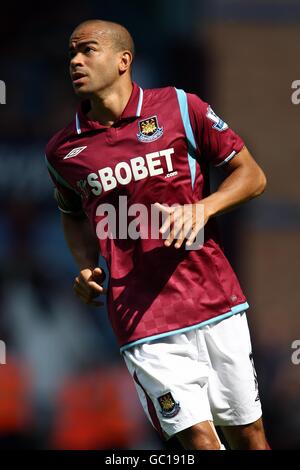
(174, 302)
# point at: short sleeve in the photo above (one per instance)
(68, 201)
(216, 142)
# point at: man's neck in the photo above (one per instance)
(108, 107)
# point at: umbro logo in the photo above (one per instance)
(74, 152)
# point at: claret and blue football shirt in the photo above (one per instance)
(159, 150)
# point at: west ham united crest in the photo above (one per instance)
(169, 407)
(149, 130)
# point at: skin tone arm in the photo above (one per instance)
(84, 247)
(244, 181)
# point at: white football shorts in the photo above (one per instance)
(205, 374)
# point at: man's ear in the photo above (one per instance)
(125, 61)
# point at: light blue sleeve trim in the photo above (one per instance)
(68, 212)
(183, 105)
(58, 177)
(227, 159)
(233, 311)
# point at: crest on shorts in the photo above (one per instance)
(169, 407)
(149, 130)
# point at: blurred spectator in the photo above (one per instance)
(16, 410)
(100, 410)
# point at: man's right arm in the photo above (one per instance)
(79, 235)
(81, 241)
(84, 247)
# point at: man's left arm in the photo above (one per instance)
(245, 180)
(222, 147)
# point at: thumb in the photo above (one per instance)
(98, 274)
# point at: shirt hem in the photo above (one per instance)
(233, 311)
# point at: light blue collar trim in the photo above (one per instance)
(78, 124)
(140, 103)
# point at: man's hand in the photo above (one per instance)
(182, 222)
(244, 181)
(88, 285)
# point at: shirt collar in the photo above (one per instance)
(132, 110)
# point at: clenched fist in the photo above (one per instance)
(88, 286)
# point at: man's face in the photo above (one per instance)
(94, 64)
